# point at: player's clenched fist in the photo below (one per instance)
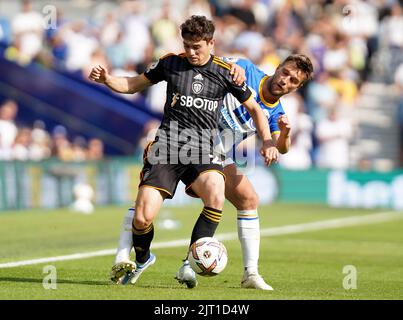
(284, 123)
(98, 74)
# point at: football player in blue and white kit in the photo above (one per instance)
(236, 125)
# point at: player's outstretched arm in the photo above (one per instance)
(269, 151)
(119, 84)
(283, 141)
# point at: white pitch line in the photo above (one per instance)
(268, 232)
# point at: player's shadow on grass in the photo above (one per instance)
(170, 286)
(33, 280)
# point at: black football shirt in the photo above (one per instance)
(193, 100)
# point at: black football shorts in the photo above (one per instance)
(165, 177)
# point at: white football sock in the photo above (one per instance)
(126, 239)
(249, 236)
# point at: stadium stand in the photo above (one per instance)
(354, 47)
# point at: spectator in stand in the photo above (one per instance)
(95, 149)
(28, 30)
(320, 96)
(200, 8)
(81, 44)
(55, 43)
(299, 155)
(391, 37)
(58, 50)
(110, 29)
(79, 149)
(164, 30)
(117, 52)
(136, 29)
(270, 58)
(8, 128)
(40, 147)
(5, 30)
(334, 134)
(343, 83)
(61, 145)
(21, 147)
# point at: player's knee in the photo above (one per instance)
(248, 201)
(214, 195)
(253, 199)
(212, 191)
(141, 219)
(141, 223)
(214, 199)
(217, 200)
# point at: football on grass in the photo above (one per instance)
(208, 256)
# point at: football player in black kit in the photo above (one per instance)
(182, 150)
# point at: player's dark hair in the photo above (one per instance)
(303, 63)
(197, 28)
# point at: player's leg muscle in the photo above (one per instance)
(238, 189)
(148, 203)
(209, 186)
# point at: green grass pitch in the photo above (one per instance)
(305, 265)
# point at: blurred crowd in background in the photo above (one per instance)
(350, 43)
(25, 143)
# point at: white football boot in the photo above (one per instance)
(133, 276)
(186, 275)
(254, 281)
(120, 270)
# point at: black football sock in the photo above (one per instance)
(142, 242)
(206, 224)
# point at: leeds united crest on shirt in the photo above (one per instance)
(197, 87)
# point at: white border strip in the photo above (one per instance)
(269, 232)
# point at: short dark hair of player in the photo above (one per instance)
(303, 63)
(197, 28)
